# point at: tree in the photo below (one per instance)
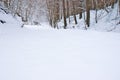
(119, 6)
(64, 14)
(68, 10)
(88, 13)
(80, 9)
(31, 10)
(96, 9)
(56, 12)
(74, 11)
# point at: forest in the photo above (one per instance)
(59, 39)
(35, 11)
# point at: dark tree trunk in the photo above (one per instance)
(80, 15)
(68, 13)
(112, 3)
(67, 8)
(96, 9)
(88, 13)
(74, 13)
(64, 14)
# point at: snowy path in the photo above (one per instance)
(27, 54)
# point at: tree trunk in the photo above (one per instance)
(87, 13)
(96, 8)
(80, 14)
(64, 14)
(119, 7)
(56, 13)
(74, 12)
(68, 10)
(112, 3)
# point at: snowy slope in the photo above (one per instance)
(59, 55)
(8, 18)
(32, 53)
(46, 54)
(107, 22)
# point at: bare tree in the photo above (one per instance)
(64, 14)
(88, 13)
(96, 9)
(74, 11)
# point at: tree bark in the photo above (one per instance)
(64, 14)
(96, 9)
(80, 14)
(88, 13)
(74, 12)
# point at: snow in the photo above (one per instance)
(42, 53)
(47, 54)
(107, 22)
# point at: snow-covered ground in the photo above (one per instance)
(39, 53)
(46, 54)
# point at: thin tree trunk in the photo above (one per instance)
(80, 14)
(96, 8)
(64, 14)
(112, 3)
(68, 10)
(119, 7)
(74, 13)
(87, 13)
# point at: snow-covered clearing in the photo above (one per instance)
(41, 53)
(46, 54)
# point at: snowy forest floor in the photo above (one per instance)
(47, 54)
(42, 53)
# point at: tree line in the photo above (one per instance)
(63, 9)
(56, 10)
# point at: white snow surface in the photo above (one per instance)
(39, 53)
(46, 54)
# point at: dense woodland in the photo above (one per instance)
(56, 10)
